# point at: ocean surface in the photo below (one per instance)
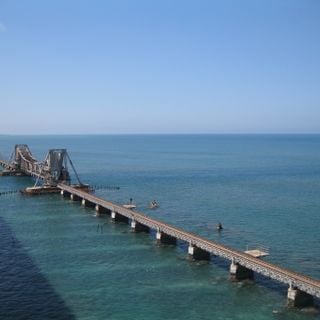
(56, 263)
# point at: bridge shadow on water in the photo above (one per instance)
(25, 293)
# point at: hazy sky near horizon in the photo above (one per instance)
(169, 66)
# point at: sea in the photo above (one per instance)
(58, 260)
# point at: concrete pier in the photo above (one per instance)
(138, 227)
(74, 197)
(165, 238)
(97, 209)
(116, 217)
(101, 210)
(197, 253)
(65, 194)
(88, 203)
(239, 272)
(298, 298)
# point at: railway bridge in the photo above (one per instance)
(55, 177)
(301, 289)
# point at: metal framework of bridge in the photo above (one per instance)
(53, 171)
(49, 172)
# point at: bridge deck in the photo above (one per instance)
(302, 282)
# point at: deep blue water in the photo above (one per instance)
(265, 189)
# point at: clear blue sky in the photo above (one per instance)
(166, 66)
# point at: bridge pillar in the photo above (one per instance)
(65, 194)
(101, 210)
(88, 203)
(239, 272)
(298, 298)
(197, 253)
(165, 238)
(116, 217)
(74, 197)
(138, 227)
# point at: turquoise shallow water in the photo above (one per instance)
(264, 189)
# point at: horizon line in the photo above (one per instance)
(159, 134)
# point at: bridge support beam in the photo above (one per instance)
(74, 197)
(97, 209)
(165, 238)
(298, 298)
(197, 253)
(65, 194)
(101, 210)
(239, 272)
(116, 217)
(88, 204)
(138, 227)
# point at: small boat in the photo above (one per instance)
(129, 206)
(153, 204)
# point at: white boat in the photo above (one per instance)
(129, 206)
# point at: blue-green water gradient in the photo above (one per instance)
(265, 189)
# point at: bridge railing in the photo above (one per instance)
(3, 160)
